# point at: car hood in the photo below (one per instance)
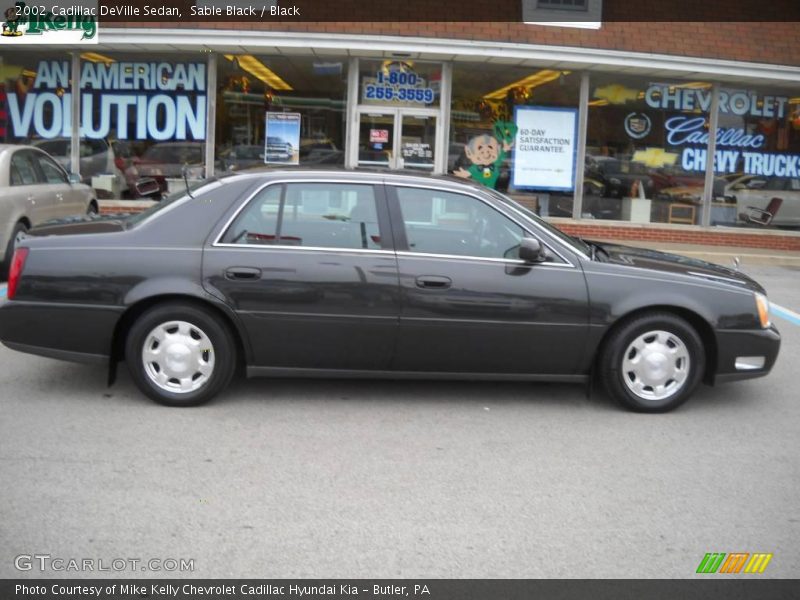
(79, 225)
(655, 260)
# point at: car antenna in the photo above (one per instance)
(186, 180)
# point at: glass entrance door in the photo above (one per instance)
(376, 138)
(417, 141)
(397, 139)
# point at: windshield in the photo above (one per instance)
(554, 231)
(206, 185)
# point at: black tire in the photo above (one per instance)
(6, 267)
(92, 209)
(212, 330)
(619, 380)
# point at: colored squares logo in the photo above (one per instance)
(733, 563)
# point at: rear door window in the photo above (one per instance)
(22, 163)
(323, 215)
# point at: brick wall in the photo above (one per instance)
(705, 237)
(766, 42)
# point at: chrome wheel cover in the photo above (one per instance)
(178, 357)
(656, 365)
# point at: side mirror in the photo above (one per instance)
(74, 178)
(531, 251)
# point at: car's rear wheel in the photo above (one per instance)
(17, 235)
(180, 354)
(653, 362)
(92, 209)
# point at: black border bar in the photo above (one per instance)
(712, 587)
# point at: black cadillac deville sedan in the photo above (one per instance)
(368, 274)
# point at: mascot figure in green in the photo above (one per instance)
(487, 153)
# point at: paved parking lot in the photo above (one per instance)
(291, 478)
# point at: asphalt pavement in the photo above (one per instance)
(329, 478)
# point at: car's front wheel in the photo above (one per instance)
(180, 354)
(653, 362)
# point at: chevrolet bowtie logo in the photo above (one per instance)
(716, 562)
(655, 157)
(615, 93)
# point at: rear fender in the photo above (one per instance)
(164, 289)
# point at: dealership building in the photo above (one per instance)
(667, 131)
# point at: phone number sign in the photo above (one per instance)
(396, 87)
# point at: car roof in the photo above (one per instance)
(359, 173)
(12, 147)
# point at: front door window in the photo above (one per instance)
(438, 222)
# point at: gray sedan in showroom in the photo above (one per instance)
(34, 188)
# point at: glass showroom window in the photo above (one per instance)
(280, 111)
(757, 159)
(143, 120)
(515, 129)
(35, 101)
(646, 149)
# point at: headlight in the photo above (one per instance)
(762, 304)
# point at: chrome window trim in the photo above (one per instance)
(508, 261)
(548, 243)
(286, 248)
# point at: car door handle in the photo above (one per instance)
(434, 282)
(243, 273)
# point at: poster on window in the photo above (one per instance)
(282, 143)
(545, 148)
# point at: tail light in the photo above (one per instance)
(15, 272)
